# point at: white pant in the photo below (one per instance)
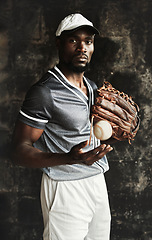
(75, 210)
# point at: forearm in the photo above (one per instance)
(28, 156)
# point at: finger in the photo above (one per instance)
(97, 155)
(102, 150)
(107, 149)
(81, 145)
(92, 153)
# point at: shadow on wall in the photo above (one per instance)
(102, 60)
(102, 67)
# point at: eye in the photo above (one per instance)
(89, 42)
(72, 40)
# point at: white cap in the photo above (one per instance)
(73, 22)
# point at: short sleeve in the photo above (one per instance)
(37, 107)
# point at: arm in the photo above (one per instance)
(24, 154)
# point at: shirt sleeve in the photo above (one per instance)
(36, 109)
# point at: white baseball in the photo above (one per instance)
(102, 130)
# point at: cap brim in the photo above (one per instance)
(93, 29)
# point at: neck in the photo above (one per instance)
(75, 78)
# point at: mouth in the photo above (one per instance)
(81, 57)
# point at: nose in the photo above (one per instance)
(81, 47)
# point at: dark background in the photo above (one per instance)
(123, 56)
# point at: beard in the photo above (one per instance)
(77, 69)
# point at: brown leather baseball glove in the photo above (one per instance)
(119, 110)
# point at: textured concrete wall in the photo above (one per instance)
(124, 57)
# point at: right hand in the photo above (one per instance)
(76, 155)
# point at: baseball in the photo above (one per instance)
(102, 130)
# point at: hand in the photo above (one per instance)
(76, 155)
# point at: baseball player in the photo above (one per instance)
(52, 133)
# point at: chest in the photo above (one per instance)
(71, 109)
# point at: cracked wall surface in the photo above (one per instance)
(123, 56)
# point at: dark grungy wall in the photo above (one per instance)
(123, 56)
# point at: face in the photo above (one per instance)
(76, 49)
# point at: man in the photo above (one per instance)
(52, 133)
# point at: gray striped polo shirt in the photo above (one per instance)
(63, 111)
